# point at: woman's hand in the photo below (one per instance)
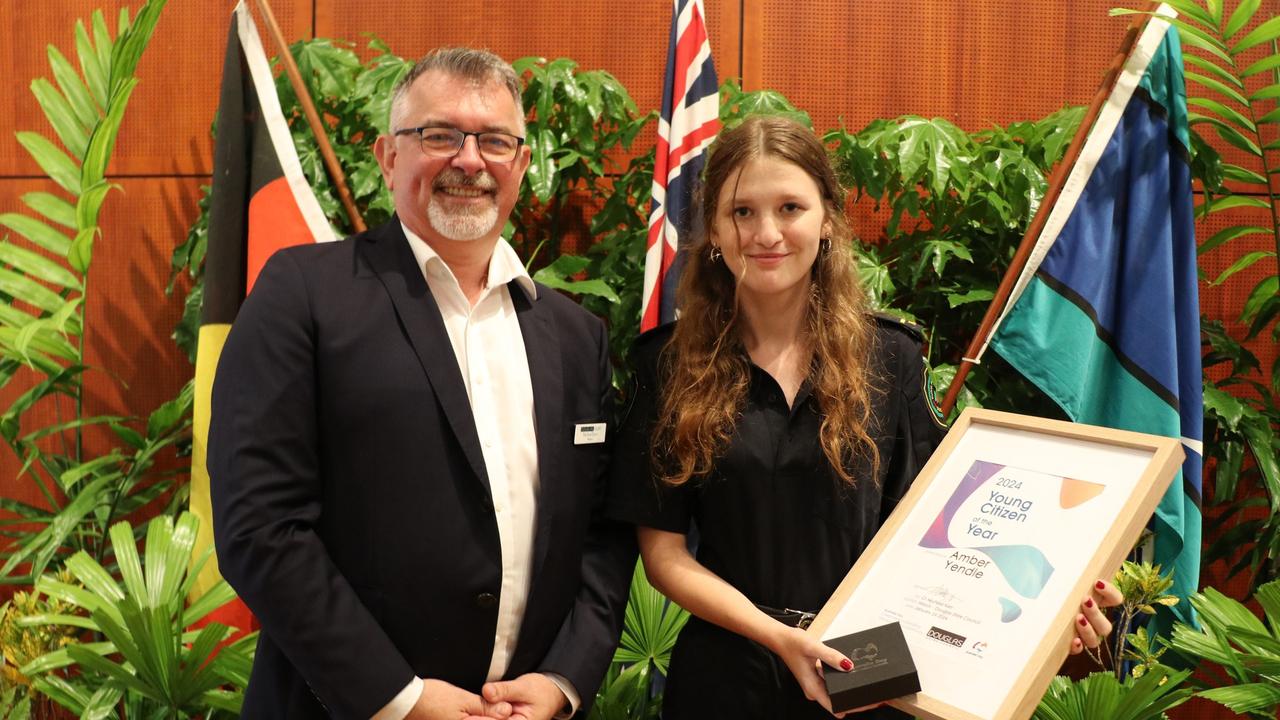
(803, 653)
(1091, 624)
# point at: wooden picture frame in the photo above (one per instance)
(987, 558)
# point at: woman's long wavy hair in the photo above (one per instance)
(705, 365)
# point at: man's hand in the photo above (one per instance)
(532, 696)
(441, 701)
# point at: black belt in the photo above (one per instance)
(787, 616)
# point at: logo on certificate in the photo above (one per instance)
(946, 636)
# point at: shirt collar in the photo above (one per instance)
(767, 388)
(504, 264)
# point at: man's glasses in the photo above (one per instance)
(445, 142)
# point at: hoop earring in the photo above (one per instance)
(824, 245)
(715, 255)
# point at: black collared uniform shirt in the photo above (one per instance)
(773, 519)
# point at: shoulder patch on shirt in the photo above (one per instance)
(889, 320)
(931, 396)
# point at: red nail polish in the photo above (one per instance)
(1100, 585)
(1088, 602)
(846, 665)
(1083, 622)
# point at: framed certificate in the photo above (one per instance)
(986, 560)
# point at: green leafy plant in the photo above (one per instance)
(737, 104)
(649, 633)
(1149, 688)
(580, 127)
(626, 694)
(1233, 73)
(151, 663)
(1144, 649)
(14, 705)
(20, 643)
(42, 294)
(1144, 588)
(354, 100)
(188, 259)
(98, 490)
(652, 625)
(958, 206)
(1101, 695)
(579, 122)
(1243, 440)
(612, 270)
(1237, 649)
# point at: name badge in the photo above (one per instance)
(588, 433)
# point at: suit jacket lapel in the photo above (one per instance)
(389, 255)
(542, 347)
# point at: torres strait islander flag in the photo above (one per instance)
(1105, 317)
(260, 202)
(690, 119)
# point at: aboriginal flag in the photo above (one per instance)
(260, 202)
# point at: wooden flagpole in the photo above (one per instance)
(1056, 182)
(313, 118)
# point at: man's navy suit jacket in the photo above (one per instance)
(352, 510)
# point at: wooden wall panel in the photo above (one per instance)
(178, 83)
(628, 39)
(973, 62)
(130, 319)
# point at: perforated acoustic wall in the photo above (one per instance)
(974, 62)
(628, 39)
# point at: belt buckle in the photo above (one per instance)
(806, 618)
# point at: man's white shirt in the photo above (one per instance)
(489, 347)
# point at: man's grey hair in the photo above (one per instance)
(478, 66)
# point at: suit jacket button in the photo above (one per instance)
(486, 601)
(486, 502)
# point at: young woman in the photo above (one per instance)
(782, 419)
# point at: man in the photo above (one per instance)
(406, 447)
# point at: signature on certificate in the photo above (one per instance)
(940, 593)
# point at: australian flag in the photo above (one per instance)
(690, 120)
